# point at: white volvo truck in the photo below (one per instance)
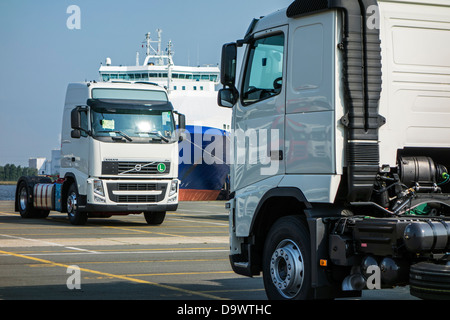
(341, 119)
(119, 155)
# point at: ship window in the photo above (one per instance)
(182, 76)
(213, 77)
(196, 77)
(264, 69)
(201, 88)
(189, 76)
(114, 76)
(153, 75)
(195, 87)
(174, 87)
(144, 75)
(205, 77)
(105, 77)
(175, 75)
(183, 88)
(137, 75)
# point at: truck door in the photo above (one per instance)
(75, 151)
(260, 111)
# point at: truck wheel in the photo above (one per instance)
(430, 280)
(26, 209)
(287, 260)
(154, 218)
(75, 217)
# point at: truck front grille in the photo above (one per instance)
(135, 168)
(137, 186)
(136, 198)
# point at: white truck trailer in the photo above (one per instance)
(119, 155)
(341, 119)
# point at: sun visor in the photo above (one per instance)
(130, 104)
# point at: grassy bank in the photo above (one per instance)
(7, 182)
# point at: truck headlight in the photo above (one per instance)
(98, 188)
(173, 187)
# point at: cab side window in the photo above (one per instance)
(264, 71)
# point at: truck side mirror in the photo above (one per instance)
(75, 134)
(76, 122)
(181, 125)
(75, 118)
(181, 121)
(228, 64)
(227, 97)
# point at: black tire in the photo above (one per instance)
(154, 218)
(24, 204)
(287, 260)
(43, 214)
(75, 216)
(429, 280)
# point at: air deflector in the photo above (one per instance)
(362, 83)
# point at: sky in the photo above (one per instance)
(40, 54)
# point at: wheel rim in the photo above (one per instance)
(287, 269)
(72, 203)
(23, 198)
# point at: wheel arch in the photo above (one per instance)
(69, 178)
(276, 203)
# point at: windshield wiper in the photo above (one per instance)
(119, 132)
(155, 133)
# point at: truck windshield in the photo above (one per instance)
(132, 123)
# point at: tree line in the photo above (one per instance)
(11, 172)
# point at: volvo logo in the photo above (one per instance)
(138, 167)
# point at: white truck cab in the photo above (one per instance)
(119, 155)
(341, 118)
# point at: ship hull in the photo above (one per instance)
(203, 169)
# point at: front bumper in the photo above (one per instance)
(130, 196)
(128, 208)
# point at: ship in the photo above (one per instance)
(203, 166)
